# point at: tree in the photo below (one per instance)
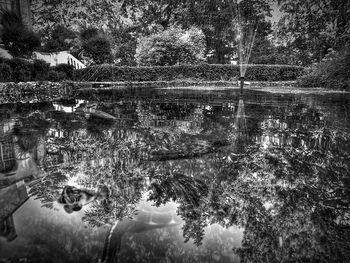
(98, 48)
(61, 38)
(312, 27)
(163, 13)
(125, 43)
(333, 72)
(170, 47)
(219, 21)
(17, 39)
(72, 14)
(88, 33)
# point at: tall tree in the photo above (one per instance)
(17, 39)
(101, 14)
(312, 27)
(219, 21)
(170, 47)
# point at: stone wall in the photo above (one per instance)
(25, 92)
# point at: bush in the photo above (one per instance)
(205, 72)
(5, 72)
(333, 73)
(40, 70)
(67, 69)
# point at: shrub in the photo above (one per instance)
(333, 73)
(205, 72)
(5, 72)
(40, 70)
(67, 69)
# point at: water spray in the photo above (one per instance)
(246, 33)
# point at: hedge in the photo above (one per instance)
(21, 70)
(5, 72)
(18, 70)
(205, 72)
(40, 70)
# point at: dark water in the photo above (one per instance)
(176, 176)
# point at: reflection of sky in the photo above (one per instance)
(48, 231)
(43, 233)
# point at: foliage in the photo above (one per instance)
(74, 15)
(61, 38)
(216, 19)
(69, 17)
(55, 76)
(124, 45)
(40, 70)
(213, 18)
(17, 39)
(67, 69)
(265, 51)
(21, 69)
(5, 72)
(222, 21)
(177, 187)
(201, 72)
(333, 73)
(312, 27)
(99, 49)
(88, 33)
(151, 14)
(171, 47)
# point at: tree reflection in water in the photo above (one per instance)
(281, 172)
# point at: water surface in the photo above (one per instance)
(177, 175)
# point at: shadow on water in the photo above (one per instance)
(151, 169)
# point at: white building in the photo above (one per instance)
(61, 57)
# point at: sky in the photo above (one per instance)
(276, 13)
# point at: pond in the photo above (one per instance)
(176, 175)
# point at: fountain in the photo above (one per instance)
(246, 26)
